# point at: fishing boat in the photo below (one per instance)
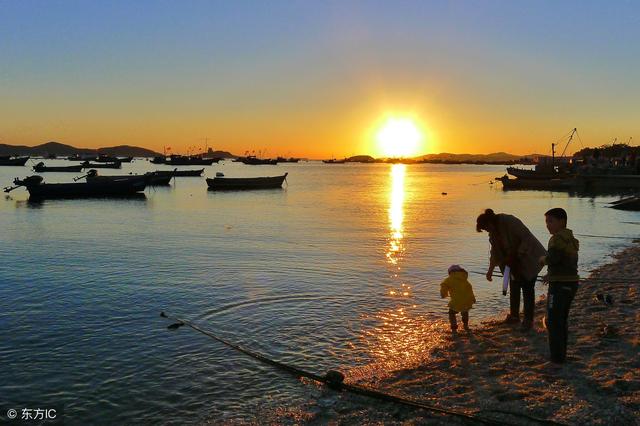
(538, 184)
(101, 188)
(548, 168)
(181, 160)
(224, 183)
(287, 160)
(111, 159)
(13, 161)
(41, 168)
(78, 157)
(252, 160)
(150, 178)
(88, 165)
(180, 173)
(629, 203)
(334, 161)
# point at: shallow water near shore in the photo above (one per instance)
(340, 269)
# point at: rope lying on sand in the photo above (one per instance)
(334, 380)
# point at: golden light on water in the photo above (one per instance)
(397, 337)
(395, 248)
(399, 137)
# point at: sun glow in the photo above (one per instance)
(399, 137)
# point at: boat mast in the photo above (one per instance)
(573, 132)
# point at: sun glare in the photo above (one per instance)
(399, 137)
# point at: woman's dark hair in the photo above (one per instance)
(557, 213)
(486, 218)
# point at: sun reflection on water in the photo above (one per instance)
(395, 249)
(397, 337)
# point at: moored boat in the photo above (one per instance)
(42, 168)
(181, 160)
(287, 160)
(180, 173)
(78, 157)
(15, 161)
(255, 161)
(334, 161)
(102, 188)
(629, 203)
(225, 183)
(88, 165)
(112, 159)
(537, 184)
(150, 178)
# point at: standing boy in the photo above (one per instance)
(562, 267)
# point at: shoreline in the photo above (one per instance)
(497, 367)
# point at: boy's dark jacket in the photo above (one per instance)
(562, 256)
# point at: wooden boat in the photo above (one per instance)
(111, 159)
(254, 161)
(180, 173)
(41, 168)
(15, 161)
(539, 174)
(150, 178)
(77, 157)
(287, 160)
(629, 203)
(334, 161)
(225, 183)
(88, 165)
(537, 184)
(102, 188)
(180, 160)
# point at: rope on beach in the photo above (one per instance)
(606, 236)
(330, 379)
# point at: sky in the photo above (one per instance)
(318, 78)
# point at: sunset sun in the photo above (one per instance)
(399, 137)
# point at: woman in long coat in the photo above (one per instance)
(513, 245)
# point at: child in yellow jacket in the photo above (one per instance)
(457, 286)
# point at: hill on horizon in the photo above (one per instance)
(61, 149)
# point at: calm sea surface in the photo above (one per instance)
(338, 270)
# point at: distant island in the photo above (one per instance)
(501, 158)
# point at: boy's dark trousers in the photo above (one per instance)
(454, 322)
(559, 300)
(528, 298)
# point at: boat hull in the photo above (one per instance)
(180, 173)
(151, 179)
(45, 169)
(233, 184)
(191, 161)
(87, 165)
(86, 190)
(19, 161)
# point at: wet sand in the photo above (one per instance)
(498, 367)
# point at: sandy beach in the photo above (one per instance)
(497, 367)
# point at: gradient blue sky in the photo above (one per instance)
(318, 78)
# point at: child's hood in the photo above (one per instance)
(459, 274)
(565, 239)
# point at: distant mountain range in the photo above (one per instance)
(59, 149)
(64, 150)
(493, 157)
